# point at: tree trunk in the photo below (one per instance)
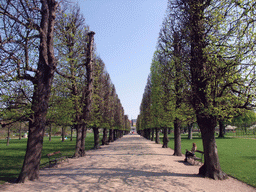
(157, 140)
(8, 136)
(148, 133)
(105, 137)
(152, 135)
(111, 136)
(190, 126)
(96, 138)
(84, 130)
(177, 138)
(115, 135)
(41, 94)
(71, 133)
(165, 138)
(211, 167)
(222, 129)
(50, 133)
(62, 134)
(20, 132)
(78, 141)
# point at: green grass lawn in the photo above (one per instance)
(237, 156)
(12, 156)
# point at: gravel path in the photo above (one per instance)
(131, 163)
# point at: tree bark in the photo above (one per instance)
(8, 136)
(190, 126)
(84, 130)
(50, 133)
(211, 167)
(152, 134)
(41, 94)
(157, 140)
(221, 129)
(111, 136)
(114, 134)
(165, 138)
(71, 133)
(20, 132)
(62, 134)
(105, 137)
(96, 138)
(78, 141)
(177, 138)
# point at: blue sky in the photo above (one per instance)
(126, 37)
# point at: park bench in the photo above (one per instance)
(195, 158)
(56, 157)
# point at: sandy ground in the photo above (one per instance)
(131, 163)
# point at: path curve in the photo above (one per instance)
(131, 163)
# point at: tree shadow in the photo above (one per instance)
(249, 157)
(98, 179)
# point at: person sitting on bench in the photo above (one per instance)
(190, 153)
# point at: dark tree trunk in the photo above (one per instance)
(71, 134)
(111, 135)
(177, 138)
(222, 129)
(41, 94)
(190, 126)
(152, 134)
(105, 137)
(165, 138)
(157, 140)
(20, 132)
(169, 131)
(50, 133)
(148, 134)
(84, 130)
(96, 138)
(8, 136)
(78, 141)
(211, 167)
(63, 134)
(114, 133)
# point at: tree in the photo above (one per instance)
(97, 100)
(106, 107)
(73, 59)
(219, 57)
(31, 21)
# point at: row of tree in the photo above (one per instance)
(37, 40)
(203, 71)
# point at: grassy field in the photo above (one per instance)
(12, 156)
(237, 156)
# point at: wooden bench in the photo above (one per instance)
(55, 157)
(195, 158)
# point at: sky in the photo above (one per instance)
(126, 38)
